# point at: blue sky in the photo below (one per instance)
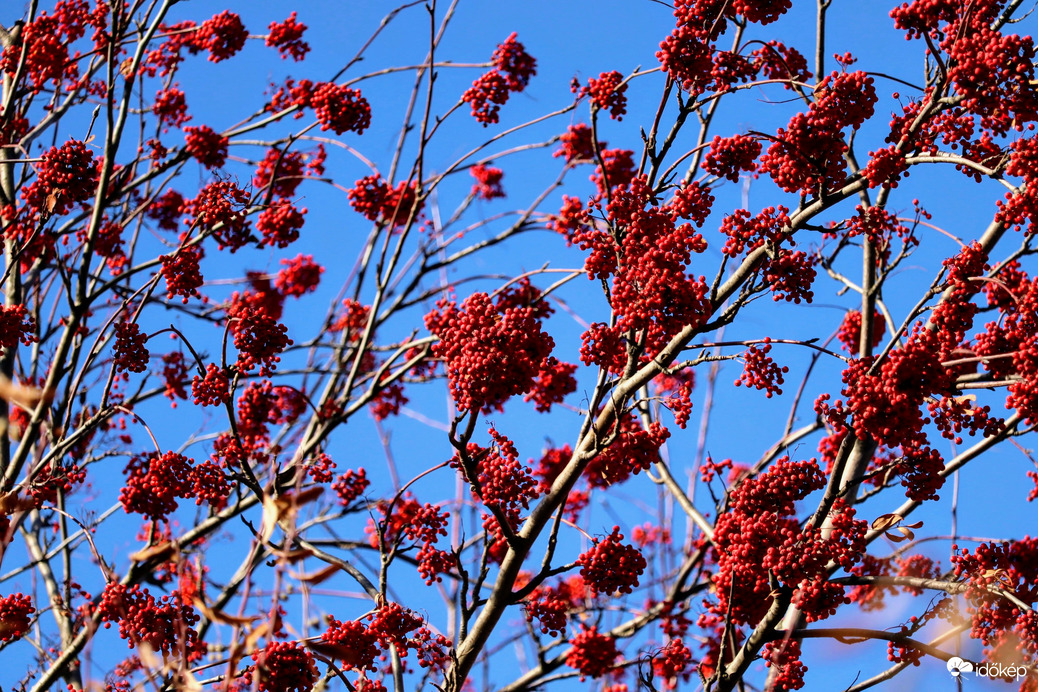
(580, 39)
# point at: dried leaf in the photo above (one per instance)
(185, 681)
(14, 502)
(158, 552)
(221, 617)
(147, 655)
(294, 556)
(23, 396)
(318, 576)
(894, 537)
(284, 508)
(257, 633)
(886, 521)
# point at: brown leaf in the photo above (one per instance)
(294, 556)
(222, 618)
(23, 396)
(253, 637)
(14, 502)
(158, 552)
(318, 576)
(886, 521)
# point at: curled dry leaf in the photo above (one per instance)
(886, 521)
(159, 552)
(316, 577)
(284, 508)
(219, 617)
(25, 396)
(13, 502)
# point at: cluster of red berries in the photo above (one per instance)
(592, 653)
(633, 450)
(182, 272)
(130, 352)
(488, 182)
(350, 485)
(849, 334)
(170, 107)
(16, 324)
(279, 224)
(729, 156)
(165, 624)
(44, 42)
(287, 37)
(607, 92)
(16, 613)
(490, 353)
(213, 389)
(280, 667)
(647, 256)
(154, 483)
(283, 171)
(610, 566)
(377, 200)
(760, 371)
(340, 109)
(576, 145)
(549, 605)
(222, 35)
(204, 145)
(65, 175)
(784, 657)
(513, 68)
(221, 208)
(676, 394)
(759, 539)
(260, 339)
(671, 663)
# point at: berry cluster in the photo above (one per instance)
(759, 539)
(130, 352)
(287, 37)
(488, 182)
(279, 224)
(154, 483)
(610, 566)
(16, 324)
(633, 450)
(592, 653)
(647, 254)
(376, 200)
(760, 371)
(65, 175)
(260, 339)
(728, 156)
(513, 68)
(221, 208)
(549, 605)
(491, 352)
(849, 335)
(204, 145)
(607, 93)
(165, 624)
(280, 667)
(16, 613)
